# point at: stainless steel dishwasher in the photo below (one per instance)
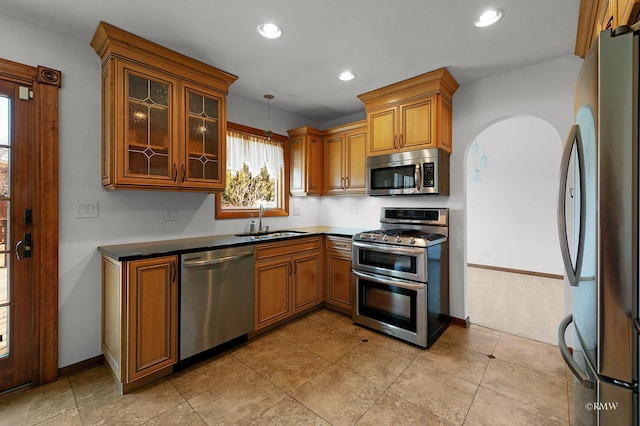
(216, 298)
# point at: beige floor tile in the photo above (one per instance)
(290, 367)
(440, 393)
(326, 316)
(377, 364)
(456, 360)
(236, 398)
(289, 412)
(198, 378)
(396, 345)
(390, 409)
(261, 349)
(300, 329)
(531, 354)
(339, 396)
(182, 415)
(472, 338)
(491, 408)
(38, 404)
(69, 418)
(133, 408)
(544, 392)
(329, 343)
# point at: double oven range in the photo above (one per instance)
(400, 274)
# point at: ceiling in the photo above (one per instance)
(382, 41)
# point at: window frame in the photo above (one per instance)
(253, 212)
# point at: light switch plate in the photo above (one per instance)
(86, 209)
(171, 213)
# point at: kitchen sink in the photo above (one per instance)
(269, 234)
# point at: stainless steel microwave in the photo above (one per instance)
(409, 173)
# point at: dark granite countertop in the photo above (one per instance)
(134, 251)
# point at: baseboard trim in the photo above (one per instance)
(517, 271)
(72, 369)
(460, 322)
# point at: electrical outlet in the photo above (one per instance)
(171, 213)
(86, 208)
(353, 210)
(296, 211)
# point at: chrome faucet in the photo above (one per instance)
(260, 213)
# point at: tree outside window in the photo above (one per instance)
(256, 174)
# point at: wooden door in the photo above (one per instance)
(16, 236)
(152, 315)
(203, 161)
(298, 168)
(314, 164)
(306, 287)
(334, 175)
(417, 119)
(147, 130)
(355, 161)
(272, 292)
(339, 279)
(382, 131)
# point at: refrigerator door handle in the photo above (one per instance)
(582, 376)
(573, 273)
(636, 324)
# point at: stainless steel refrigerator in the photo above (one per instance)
(598, 227)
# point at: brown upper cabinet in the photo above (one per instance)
(344, 159)
(306, 161)
(598, 15)
(410, 115)
(163, 116)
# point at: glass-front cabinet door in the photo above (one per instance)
(148, 152)
(203, 157)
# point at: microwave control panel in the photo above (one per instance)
(428, 175)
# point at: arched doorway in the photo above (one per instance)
(514, 269)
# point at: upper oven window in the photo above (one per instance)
(399, 177)
(387, 260)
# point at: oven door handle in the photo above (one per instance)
(385, 248)
(381, 279)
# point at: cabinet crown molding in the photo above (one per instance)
(439, 80)
(109, 40)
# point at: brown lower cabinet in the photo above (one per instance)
(338, 274)
(287, 279)
(140, 319)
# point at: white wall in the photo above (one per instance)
(511, 221)
(544, 90)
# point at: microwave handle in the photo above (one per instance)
(418, 177)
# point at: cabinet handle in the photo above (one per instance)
(175, 172)
(184, 172)
(395, 141)
(348, 182)
(289, 267)
(342, 183)
(174, 271)
(401, 140)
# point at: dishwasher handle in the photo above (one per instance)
(216, 261)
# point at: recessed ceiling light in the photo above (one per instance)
(489, 17)
(269, 30)
(346, 76)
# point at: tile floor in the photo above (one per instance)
(324, 370)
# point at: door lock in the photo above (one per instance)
(26, 246)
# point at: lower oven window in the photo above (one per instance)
(389, 261)
(388, 303)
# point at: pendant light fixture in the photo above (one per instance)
(268, 97)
